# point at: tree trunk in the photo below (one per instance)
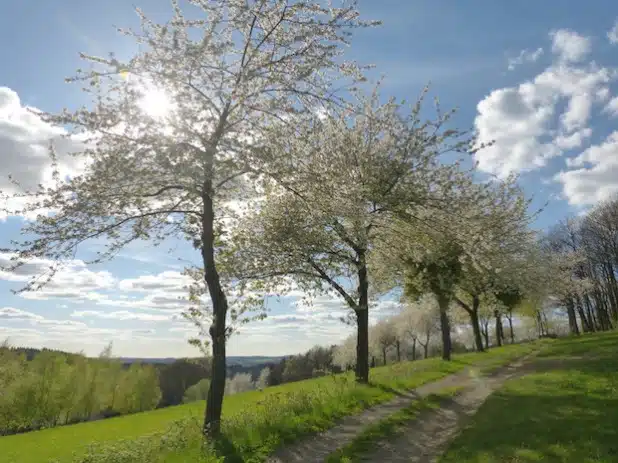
(398, 347)
(594, 321)
(425, 350)
(601, 307)
(414, 349)
(217, 331)
(216, 391)
(539, 322)
(544, 324)
(585, 322)
(445, 327)
(586, 316)
(573, 328)
(384, 356)
(362, 346)
(473, 313)
(603, 298)
(612, 291)
(362, 323)
(511, 332)
(476, 329)
(499, 333)
(486, 334)
(593, 303)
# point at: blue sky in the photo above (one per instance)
(539, 78)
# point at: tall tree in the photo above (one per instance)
(325, 210)
(384, 337)
(566, 280)
(436, 272)
(498, 259)
(418, 322)
(229, 70)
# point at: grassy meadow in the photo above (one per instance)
(565, 409)
(255, 423)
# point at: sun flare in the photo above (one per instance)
(155, 102)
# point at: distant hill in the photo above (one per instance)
(244, 361)
(241, 360)
(253, 360)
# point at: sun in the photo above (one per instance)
(155, 102)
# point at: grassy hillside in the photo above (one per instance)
(564, 410)
(255, 422)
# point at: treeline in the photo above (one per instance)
(41, 388)
(318, 361)
(176, 377)
(55, 388)
(588, 248)
(184, 379)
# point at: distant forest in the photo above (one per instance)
(42, 388)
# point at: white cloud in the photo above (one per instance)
(527, 124)
(186, 328)
(121, 315)
(24, 143)
(10, 313)
(321, 303)
(72, 281)
(569, 46)
(549, 116)
(144, 332)
(577, 113)
(301, 330)
(62, 325)
(596, 177)
(611, 107)
(63, 334)
(168, 291)
(75, 281)
(164, 281)
(19, 315)
(514, 121)
(164, 291)
(525, 56)
(574, 140)
(159, 301)
(612, 34)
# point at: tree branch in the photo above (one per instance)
(349, 299)
(163, 190)
(463, 305)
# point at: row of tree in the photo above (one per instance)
(346, 192)
(55, 388)
(586, 253)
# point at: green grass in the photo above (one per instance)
(255, 423)
(565, 409)
(389, 427)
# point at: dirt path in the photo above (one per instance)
(427, 437)
(316, 448)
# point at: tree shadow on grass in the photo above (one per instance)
(392, 390)
(224, 447)
(600, 364)
(598, 344)
(549, 424)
